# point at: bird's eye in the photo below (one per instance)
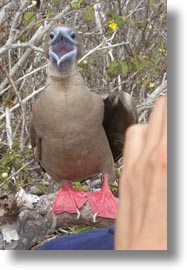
(73, 35)
(52, 35)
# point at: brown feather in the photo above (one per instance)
(120, 113)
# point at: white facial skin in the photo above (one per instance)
(59, 36)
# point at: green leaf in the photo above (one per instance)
(29, 17)
(80, 186)
(22, 38)
(41, 187)
(8, 158)
(130, 21)
(120, 21)
(156, 60)
(76, 3)
(2, 168)
(5, 186)
(141, 24)
(124, 67)
(79, 228)
(116, 68)
(57, 3)
(117, 172)
(20, 182)
(152, 3)
(113, 68)
(15, 145)
(25, 151)
(89, 14)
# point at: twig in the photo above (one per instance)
(23, 101)
(18, 65)
(20, 102)
(164, 77)
(91, 51)
(19, 45)
(8, 128)
(154, 95)
(98, 14)
(3, 12)
(38, 36)
(136, 9)
(143, 115)
(113, 45)
(148, 103)
(20, 169)
(104, 41)
(13, 30)
(157, 92)
(27, 75)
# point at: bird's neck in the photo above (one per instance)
(67, 81)
(61, 76)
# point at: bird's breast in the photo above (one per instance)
(71, 133)
(67, 115)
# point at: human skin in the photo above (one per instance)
(141, 222)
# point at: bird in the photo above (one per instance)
(77, 133)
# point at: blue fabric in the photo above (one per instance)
(99, 239)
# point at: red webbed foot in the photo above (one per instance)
(69, 199)
(103, 202)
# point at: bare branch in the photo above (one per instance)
(104, 41)
(8, 128)
(20, 102)
(34, 93)
(13, 30)
(17, 172)
(19, 45)
(149, 101)
(27, 75)
(34, 40)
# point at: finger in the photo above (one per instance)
(155, 125)
(161, 148)
(159, 153)
(164, 122)
(134, 144)
(135, 141)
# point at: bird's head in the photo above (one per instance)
(62, 47)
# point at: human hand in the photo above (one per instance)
(142, 215)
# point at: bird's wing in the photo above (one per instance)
(35, 142)
(119, 114)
